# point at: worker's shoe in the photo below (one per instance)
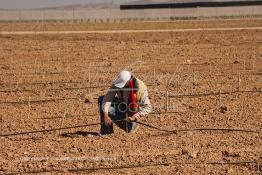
(106, 129)
(132, 127)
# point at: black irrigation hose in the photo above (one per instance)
(74, 98)
(16, 90)
(32, 172)
(44, 83)
(33, 73)
(144, 124)
(199, 129)
(212, 94)
(76, 88)
(91, 170)
(153, 127)
(39, 101)
(60, 89)
(49, 130)
(56, 129)
(57, 89)
(232, 163)
(71, 116)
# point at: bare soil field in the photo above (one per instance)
(45, 78)
(63, 26)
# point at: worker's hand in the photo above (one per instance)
(107, 119)
(134, 117)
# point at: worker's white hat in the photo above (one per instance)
(122, 78)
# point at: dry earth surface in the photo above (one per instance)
(44, 77)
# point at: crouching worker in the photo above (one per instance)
(125, 102)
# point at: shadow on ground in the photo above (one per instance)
(80, 134)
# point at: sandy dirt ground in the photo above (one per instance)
(46, 77)
(127, 31)
(183, 24)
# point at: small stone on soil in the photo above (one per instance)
(223, 109)
(184, 152)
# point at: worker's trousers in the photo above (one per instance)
(117, 113)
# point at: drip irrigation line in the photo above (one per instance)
(39, 101)
(76, 88)
(71, 116)
(33, 172)
(33, 73)
(67, 116)
(232, 163)
(198, 129)
(118, 167)
(170, 96)
(56, 129)
(16, 90)
(60, 89)
(57, 73)
(212, 94)
(90, 170)
(94, 169)
(144, 124)
(49, 130)
(57, 89)
(101, 60)
(153, 127)
(45, 83)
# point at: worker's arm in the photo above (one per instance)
(107, 101)
(145, 105)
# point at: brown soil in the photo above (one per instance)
(51, 26)
(50, 69)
